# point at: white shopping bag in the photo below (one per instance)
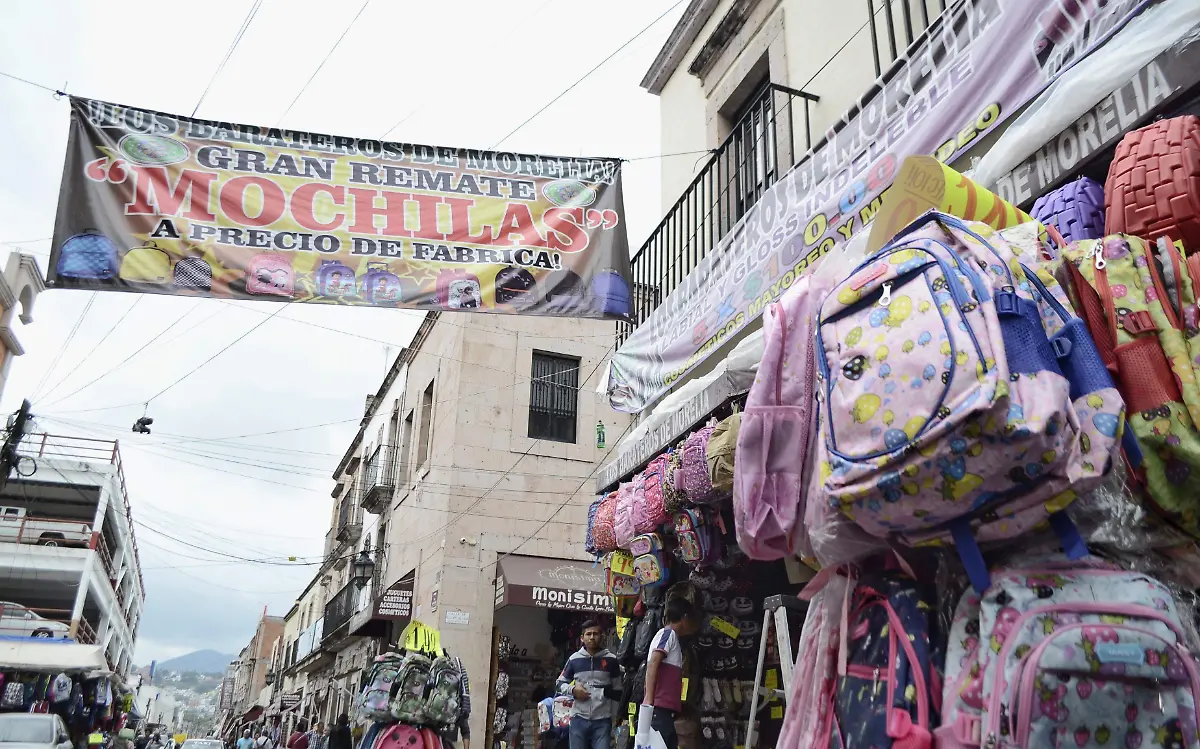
(646, 737)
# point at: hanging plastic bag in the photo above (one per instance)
(646, 737)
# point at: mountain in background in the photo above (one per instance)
(201, 661)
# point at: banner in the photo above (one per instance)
(158, 203)
(977, 64)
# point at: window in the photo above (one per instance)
(426, 426)
(405, 445)
(553, 397)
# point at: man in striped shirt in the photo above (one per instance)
(664, 668)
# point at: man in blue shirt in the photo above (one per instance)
(591, 676)
(245, 742)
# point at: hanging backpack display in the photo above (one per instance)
(13, 695)
(693, 471)
(623, 521)
(89, 255)
(457, 289)
(442, 699)
(674, 497)
(408, 704)
(374, 703)
(698, 535)
(399, 736)
(654, 510)
(380, 285)
(649, 563)
(604, 534)
(270, 274)
(513, 285)
(720, 451)
(146, 264)
(334, 279)
(620, 581)
(193, 273)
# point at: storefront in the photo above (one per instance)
(540, 606)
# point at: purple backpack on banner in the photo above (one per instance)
(335, 279)
(693, 477)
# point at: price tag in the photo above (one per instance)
(421, 638)
(777, 711)
(771, 681)
(622, 622)
(621, 563)
(632, 709)
(725, 627)
(683, 694)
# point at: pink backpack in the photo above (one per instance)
(773, 445)
(623, 523)
(693, 477)
(638, 510)
(654, 504)
(604, 534)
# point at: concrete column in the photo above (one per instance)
(85, 583)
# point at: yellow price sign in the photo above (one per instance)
(725, 627)
(772, 679)
(421, 638)
(621, 562)
(683, 693)
(777, 711)
(622, 622)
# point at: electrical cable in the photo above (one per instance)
(63, 349)
(237, 39)
(588, 74)
(99, 343)
(323, 61)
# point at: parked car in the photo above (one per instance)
(33, 731)
(15, 528)
(16, 620)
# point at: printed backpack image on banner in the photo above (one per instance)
(158, 203)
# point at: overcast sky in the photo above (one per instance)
(463, 72)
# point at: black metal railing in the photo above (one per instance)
(339, 609)
(349, 525)
(901, 22)
(379, 479)
(763, 145)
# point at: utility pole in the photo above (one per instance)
(12, 439)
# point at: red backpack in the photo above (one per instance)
(655, 511)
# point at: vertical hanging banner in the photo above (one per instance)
(975, 66)
(158, 203)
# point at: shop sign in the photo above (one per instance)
(289, 701)
(575, 600)
(973, 69)
(160, 203)
(657, 439)
(552, 584)
(397, 601)
(1100, 128)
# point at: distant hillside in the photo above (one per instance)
(201, 661)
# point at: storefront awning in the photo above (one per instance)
(551, 583)
(30, 654)
(393, 605)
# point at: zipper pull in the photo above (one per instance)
(886, 299)
(1100, 263)
(991, 742)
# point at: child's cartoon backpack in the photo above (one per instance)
(88, 255)
(699, 535)
(513, 284)
(1150, 344)
(947, 410)
(59, 690)
(1066, 653)
(619, 579)
(545, 711)
(720, 452)
(655, 513)
(374, 702)
(611, 293)
(649, 562)
(400, 736)
(443, 698)
(604, 534)
(408, 704)
(146, 264)
(457, 289)
(193, 273)
(623, 521)
(271, 274)
(693, 470)
(380, 285)
(890, 692)
(334, 279)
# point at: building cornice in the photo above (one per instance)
(678, 43)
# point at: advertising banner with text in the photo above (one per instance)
(979, 62)
(157, 203)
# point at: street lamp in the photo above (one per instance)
(364, 569)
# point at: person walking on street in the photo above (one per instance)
(299, 737)
(664, 670)
(591, 675)
(245, 742)
(339, 737)
(317, 738)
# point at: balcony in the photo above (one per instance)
(379, 480)
(764, 143)
(349, 526)
(337, 613)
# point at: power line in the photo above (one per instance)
(104, 338)
(588, 74)
(66, 342)
(237, 39)
(325, 60)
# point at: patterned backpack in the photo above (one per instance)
(193, 273)
(655, 506)
(443, 697)
(639, 508)
(88, 255)
(649, 563)
(693, 471)
(1064, 653)
(589, 543)
(604, 535)
(271, 274)
(943, 326)
(373, 703)
(699, 536)
(620, 582)
(408, 704)
(1151, 345)
(673, 495)
(623, 524)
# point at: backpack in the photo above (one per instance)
(589, 542)
(604, 534)
(649, 564)
(944, 297)
(720, 451)
(619, 580)
(399, 736)
(145, 264)
(673, 497)
(889, 694)
(380, 285)
(334, 279)
(513, 285)
(193, 273)
(693, 470)
(654, 508)
(13, 695)
(639, 510)
(271, 274)
(374, 701)
(775, 440)
(443, 698)
(1067, 652)
(698, 535)
(88, 255)
(623, 524)
(457, 289)
(408, 704)
(60, 689)
(1150, 345)
(647, 628)
(611, 290)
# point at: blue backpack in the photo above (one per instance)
(88, 255)
(611, 292)
(891, 691)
